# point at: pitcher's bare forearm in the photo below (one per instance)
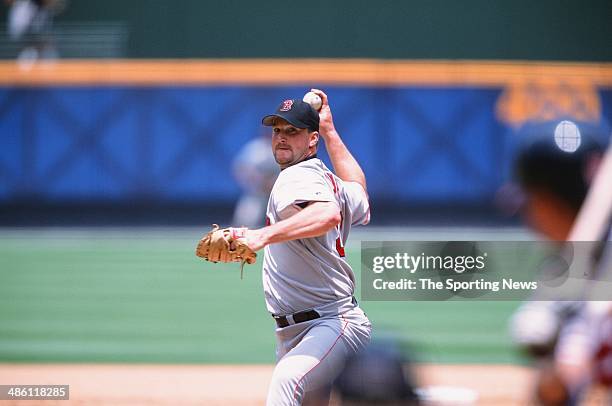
(345, 165)
(314, 220)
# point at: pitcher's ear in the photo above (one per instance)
(314, 141)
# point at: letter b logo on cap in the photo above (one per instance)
(287, 104)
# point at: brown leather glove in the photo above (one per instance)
(226, 245)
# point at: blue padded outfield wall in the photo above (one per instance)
(178, 143)
(417, 145)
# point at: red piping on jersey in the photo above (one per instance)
(333, 181)
(322, 358)
(340, 248)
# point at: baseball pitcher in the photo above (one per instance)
(308, 283)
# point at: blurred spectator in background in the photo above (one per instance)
(255, 170)
(30, 24)
(555, 166)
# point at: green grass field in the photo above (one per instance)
(142, 296)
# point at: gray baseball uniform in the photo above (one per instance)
(312, 274)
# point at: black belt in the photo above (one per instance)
(281, 321)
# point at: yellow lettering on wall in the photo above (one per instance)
(548, 99)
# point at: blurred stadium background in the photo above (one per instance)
(117, 148)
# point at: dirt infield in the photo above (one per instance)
(118, 384)
(94, 384)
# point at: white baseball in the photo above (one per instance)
(314, 100)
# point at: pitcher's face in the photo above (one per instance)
(290, 144)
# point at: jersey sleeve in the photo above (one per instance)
(299, 186)
(358, 204)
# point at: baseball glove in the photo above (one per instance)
(226, 245)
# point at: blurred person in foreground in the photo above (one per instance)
(555, 166)
(30, 24)
(255, 170)
(378, 375)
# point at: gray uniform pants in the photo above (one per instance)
(311, 354)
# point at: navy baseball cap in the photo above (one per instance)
(297, 113)
(555, 156)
